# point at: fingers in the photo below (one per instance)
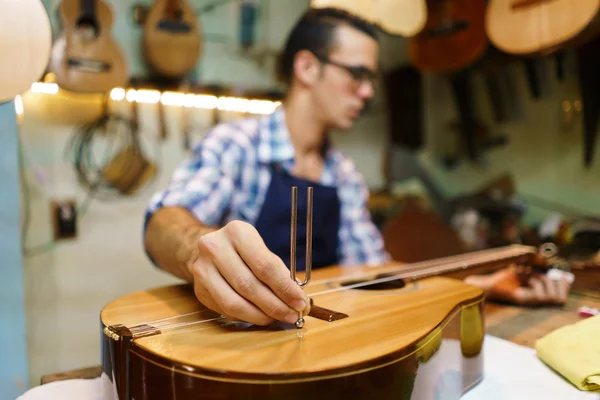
(543, 290)
(266, 266)
(237, 276)
(226, 301)
(247, 285)
(563, 287)
(205, 298)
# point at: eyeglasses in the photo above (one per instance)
(359, 74)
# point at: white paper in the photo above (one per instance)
(512, 372)
(80, 389)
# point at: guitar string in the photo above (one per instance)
(405, 274)
(404, 269)
(422, 264)
(151, 325)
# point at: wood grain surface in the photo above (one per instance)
(521, 325)
(383, 325)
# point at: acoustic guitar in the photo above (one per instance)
(25, 39)
(396, 17)
(85, 57)
(172, 38)
(453, 37)
(391, 332)
(537, 27)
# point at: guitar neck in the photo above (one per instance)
(171, 8)
(88, 8)
(478, 262)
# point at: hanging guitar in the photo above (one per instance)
(396, 17)
(537, 27)
(172, 38)
(453, 37)
(85, 57)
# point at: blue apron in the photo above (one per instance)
(274, 220)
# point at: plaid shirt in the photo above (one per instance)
(228, 175)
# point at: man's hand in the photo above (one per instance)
(236, 275)
(512, 285)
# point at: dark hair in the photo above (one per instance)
(315, 32)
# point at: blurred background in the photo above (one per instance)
(481, 134)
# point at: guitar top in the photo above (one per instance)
(382, 326)
(172, 38)
(86, 58)
(453, 38)
(532, 27)
(388, 332)
(26, 41)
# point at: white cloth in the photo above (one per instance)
(512, 372)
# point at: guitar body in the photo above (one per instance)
(401, 17)
(453, 37)
(421, 341)
(397, 17)
(537, 27)
(172, 42)
(26, 39)
(83, 61)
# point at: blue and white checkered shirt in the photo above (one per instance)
(228, 175)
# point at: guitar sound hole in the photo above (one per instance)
(88, 28)
(393, 284)
(447, 29)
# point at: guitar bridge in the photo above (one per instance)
(325, 314)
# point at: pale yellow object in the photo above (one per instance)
(574, 352)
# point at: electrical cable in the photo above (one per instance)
(80, 150)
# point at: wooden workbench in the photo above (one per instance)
(521, 325)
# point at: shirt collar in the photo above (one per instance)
(275, 144)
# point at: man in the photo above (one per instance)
(223, 223)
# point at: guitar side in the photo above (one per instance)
(398, 343)
(538, 27)
(96, 66)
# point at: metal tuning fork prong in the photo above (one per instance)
(309, 217)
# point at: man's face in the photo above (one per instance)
(345, 84)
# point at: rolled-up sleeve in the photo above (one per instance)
(361, 243)
(204, 182)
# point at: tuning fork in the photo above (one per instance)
(309, 218)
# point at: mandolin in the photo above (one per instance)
(26, 39)
(453, 37)
(537, 27)
(85, 57)
(172, 36)
(396, 17)
(391, 332)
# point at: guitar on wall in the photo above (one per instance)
(453, 37)
(172, 38)
(85, 57)
(538, 27)
(396, 17)
(452, 40)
